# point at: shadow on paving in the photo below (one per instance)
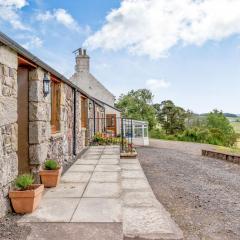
(73, 231)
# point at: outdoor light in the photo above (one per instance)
(46, 85)
(90, 105)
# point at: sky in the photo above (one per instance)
(187, 51)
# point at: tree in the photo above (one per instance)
(221, 128)
(138, 105)
(171, 117)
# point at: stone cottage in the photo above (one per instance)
(37, 123)
(87, 82)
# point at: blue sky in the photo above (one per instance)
(195, 61)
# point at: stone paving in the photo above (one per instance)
(101, 188)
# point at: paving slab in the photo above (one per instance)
(75, 231)
(107, 168)
(139, 199)
(149, 223)
(66, 190)
(112, 156)
(81, 168)
(95, 153)
(110, 152)
(104, 190)
(105, 177)
(53, 210)
(108, 161)
(131, 166)
(76, 177)
(86, 162)
(98, 210)
(129, 161)
(91, 157)
(132, 174)
(135, 184)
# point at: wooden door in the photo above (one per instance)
(22, 105)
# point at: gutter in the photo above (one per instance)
(25, 53)
(22, 51)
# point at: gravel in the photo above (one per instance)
(202, 194)
(9, 230)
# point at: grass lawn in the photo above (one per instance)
(228, 150)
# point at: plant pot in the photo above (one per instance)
(50, 178)
(28, 200)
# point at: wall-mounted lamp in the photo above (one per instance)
(90, 105)
(46, 85)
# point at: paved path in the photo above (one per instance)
(202, 194)
(102, 197)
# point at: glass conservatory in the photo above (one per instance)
(136, 131)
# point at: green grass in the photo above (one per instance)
(233, 150)
(236, 126)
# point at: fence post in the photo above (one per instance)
(131, 134)
(122, 135)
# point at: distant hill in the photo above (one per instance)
(232, 115)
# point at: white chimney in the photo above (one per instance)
(82, 61)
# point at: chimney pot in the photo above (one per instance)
(80, 51)
(84, 52)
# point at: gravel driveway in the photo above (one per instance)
(202, 194)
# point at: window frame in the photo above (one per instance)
(55, 105)
(84, 112)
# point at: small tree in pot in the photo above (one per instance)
(51, 173)
(25, 196)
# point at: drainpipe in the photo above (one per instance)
(74, 122)
(94, 118)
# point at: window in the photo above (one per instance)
(83, 112)
(55, 106)
(110, 120)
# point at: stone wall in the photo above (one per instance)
(61, 144)
(39, 120)
(8, 124)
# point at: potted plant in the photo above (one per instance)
(25, 196)
(51, 173)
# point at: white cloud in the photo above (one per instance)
(153, 27)
(13, 3)
(61, 16)
(32, 42)
(9, 11)
(156, 84)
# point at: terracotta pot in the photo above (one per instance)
(50, 178)
(28, 200)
